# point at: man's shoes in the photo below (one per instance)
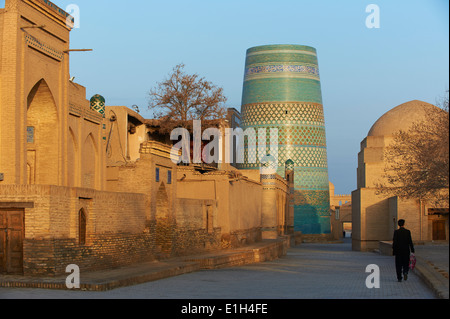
(399, 280)
(405, 276)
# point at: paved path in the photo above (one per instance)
(437, 254)
(309, 271)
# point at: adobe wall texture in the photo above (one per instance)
(238, 203)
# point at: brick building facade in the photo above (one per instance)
(64, 196)
(375, 215)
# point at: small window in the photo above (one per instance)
(169, 177)
(157, 174)
(337, 216)
(82, 227)
(30, 134)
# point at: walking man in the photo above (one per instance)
(402, 248)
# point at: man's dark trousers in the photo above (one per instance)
(402, 248)
(401, 265)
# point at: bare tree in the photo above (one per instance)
(417, 162)
(183, 97)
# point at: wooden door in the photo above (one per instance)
(11, 241)
(439, 230)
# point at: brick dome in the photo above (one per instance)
(401, 118)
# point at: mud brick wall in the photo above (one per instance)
(52, 256)
(196, 241)
(245, 237)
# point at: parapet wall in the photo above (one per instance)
(235, 204)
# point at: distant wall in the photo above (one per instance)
(237, 208)
(339, 218)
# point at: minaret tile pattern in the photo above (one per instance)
(282, 90)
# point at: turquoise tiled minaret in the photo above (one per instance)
(282, 90)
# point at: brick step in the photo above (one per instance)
(106, 280)
(223, 261)
(264, 251)
(155, 270)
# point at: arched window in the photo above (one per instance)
(82, 221)
(289, 170)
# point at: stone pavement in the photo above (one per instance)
(308, 271)
(432, 267)
(150, 271)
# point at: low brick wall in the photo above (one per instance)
(272, 251)
(50, 257)
(266, 250)
(244, 237)
(316, 238)
(186, 241)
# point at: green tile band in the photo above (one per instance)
(282, 90)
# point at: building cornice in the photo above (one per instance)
(53, 12)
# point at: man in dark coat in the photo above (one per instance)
(402, 248)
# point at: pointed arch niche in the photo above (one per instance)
(72, 159)
(42, 136)
(89, 162)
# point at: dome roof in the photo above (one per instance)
(97, 98)
(98, 104)
(401, 118)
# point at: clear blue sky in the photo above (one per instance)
(365, 72)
